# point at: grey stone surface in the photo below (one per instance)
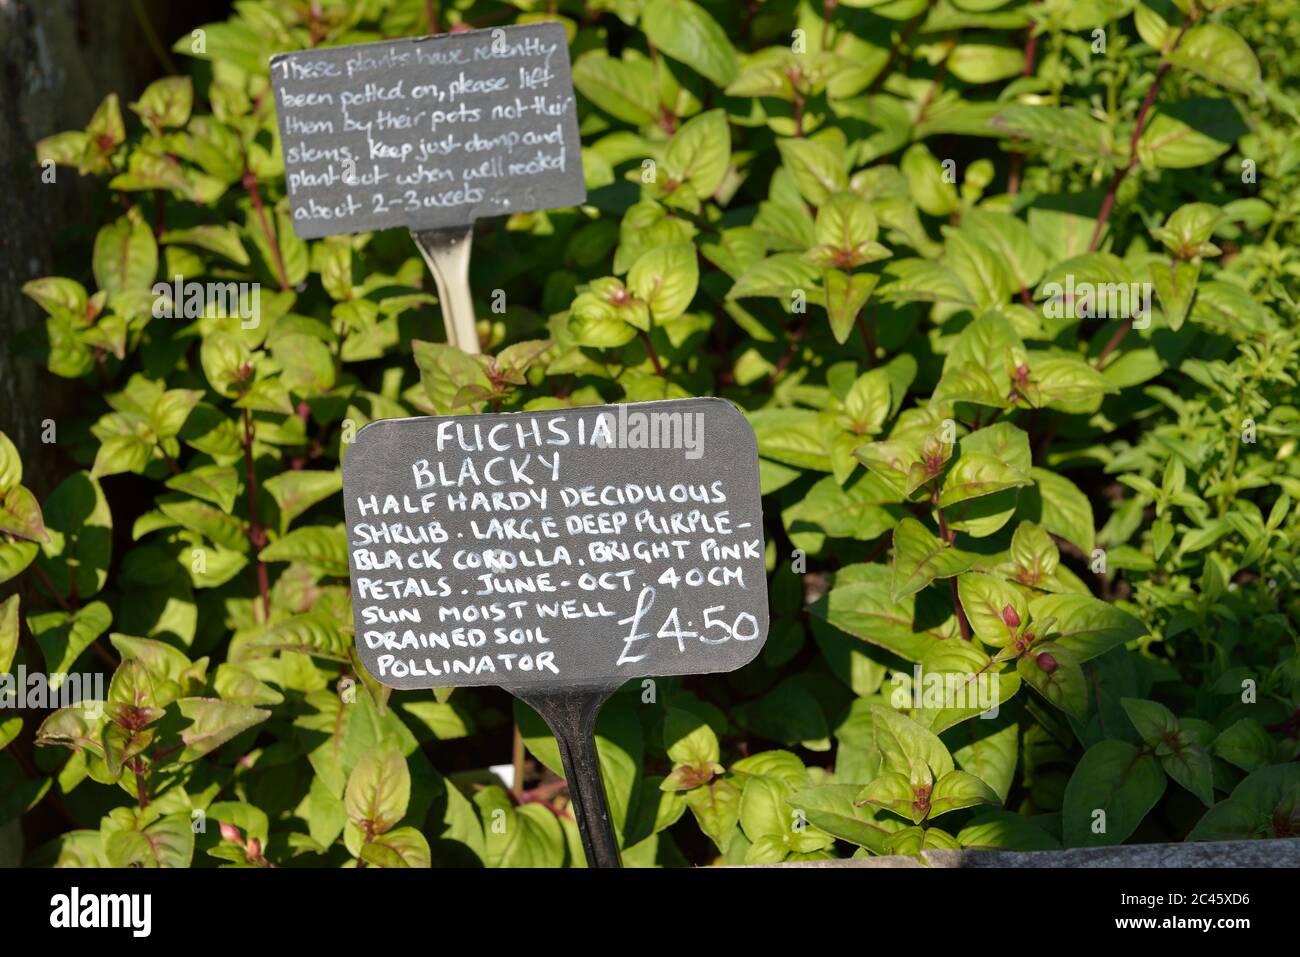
(1283, 853)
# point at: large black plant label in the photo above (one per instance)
(571, 548)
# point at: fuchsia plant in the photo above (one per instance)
(849, 218)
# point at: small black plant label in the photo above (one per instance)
(573, 548)
(429, 133)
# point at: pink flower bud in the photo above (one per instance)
(1046, 662)
(1010, 616)
(254, 848)
(231, 833)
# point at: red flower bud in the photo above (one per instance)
(1046, 662)
(254, 848)
(231, 833)
(1010, 616)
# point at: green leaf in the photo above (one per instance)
(995, 609)
(845, 222)
(447, 373)
(985, 62)
(1153, 721)
(295, 491)
(317, 546)
(1265, 805)
(400, 847)
(1112, 789)
(213, 723)
(210, 522)
(1220, 55)
(166, 102)
(63, 636)
(993, 758)
(716, 807)
(817, 170)
(1187, 231)
(1013, 239)
(976, 474)
(11, 464)
(1189, 133)
(379, 789)
(1070, 129)
(1086, 626)
(845, 296)
(167, 842)
(1182, 758)
(865, 509)
(763, 812)
(907, 748)
(623, 88)
(1034, 556)
(224, 357)
(959, 789)
(20, 515)
(687, 33)
(15, 557)
(920, 558)
(125, 257)
(222, 240)
(933, 191)
(777, 277)
(666, 278)
(689, 739)
(1246, 744)
(998, 830)
(314, 633)
(1055, 673)
(861, 604)
(528, 836)
(8, 632)
(833, 809)
(700, 153)
(792, 436)
(1057, 504)
(217, 484)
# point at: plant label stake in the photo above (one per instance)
(446, 251)
(558, 554)
(430, 133)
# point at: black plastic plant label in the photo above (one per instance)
(575, 548)
(430, 132)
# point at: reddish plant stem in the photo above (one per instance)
(650, 350)
(1108, 203)
(49, 587)
(939, 73)
(50, 795)
(828, 9)
(868, 337)
(896, 50)
(1031, 58)
(543, 791)
(315, 33)
(949, 536)
(141, 789)
(1113, 342)
(256, 534)
(250, 185)
(783, 362)
(1139, 125)
(517, 764)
